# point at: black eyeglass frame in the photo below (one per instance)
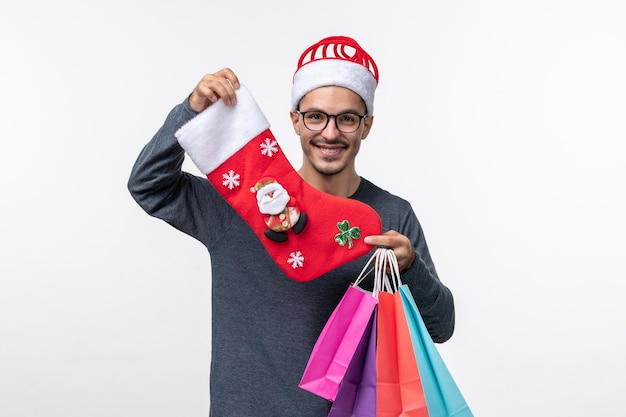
(328, 116)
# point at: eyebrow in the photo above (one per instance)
(340, 112)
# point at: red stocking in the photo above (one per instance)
(306, 232)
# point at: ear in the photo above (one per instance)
(295, 121)
(367, 125)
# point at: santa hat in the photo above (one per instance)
(336, 61)
(262, 183)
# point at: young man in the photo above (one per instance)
(264, 323)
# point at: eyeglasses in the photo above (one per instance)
(317, 121)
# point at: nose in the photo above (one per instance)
(331, 131)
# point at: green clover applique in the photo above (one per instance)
(346, 234)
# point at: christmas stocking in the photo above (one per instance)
(306, 232)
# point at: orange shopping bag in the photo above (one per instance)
(399, 390)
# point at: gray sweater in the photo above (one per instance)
(265, 324)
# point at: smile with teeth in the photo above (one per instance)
(329, 151)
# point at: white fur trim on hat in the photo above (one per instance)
(220, 131)
(337, 72)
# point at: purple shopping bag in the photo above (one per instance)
(339, 340)
(357, 393)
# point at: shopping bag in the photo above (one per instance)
(399, 390)
(443, 397)
(356, 396)
(339, 339)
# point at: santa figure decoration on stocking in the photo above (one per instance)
(279, 209)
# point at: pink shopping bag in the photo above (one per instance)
(357, 393)
(339, 340)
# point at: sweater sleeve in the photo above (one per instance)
(160, 186)
(433, 299)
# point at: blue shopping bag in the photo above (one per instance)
(443, 397)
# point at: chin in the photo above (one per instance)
(329, 170)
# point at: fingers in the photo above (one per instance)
(390, 239)
(212, 87)
(400, 244)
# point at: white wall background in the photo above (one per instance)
(501, 121)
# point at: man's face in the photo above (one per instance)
(330, 151)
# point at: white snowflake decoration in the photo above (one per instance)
(231, 180)
(269, 147)
(296, 259)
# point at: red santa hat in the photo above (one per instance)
(262, 183)
(338, 61)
